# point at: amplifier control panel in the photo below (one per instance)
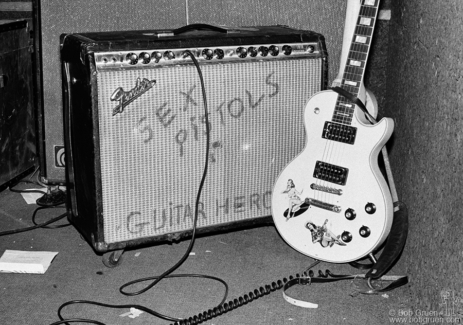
(163, 57)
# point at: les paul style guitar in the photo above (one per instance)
(331, 202)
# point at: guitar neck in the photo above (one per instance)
(354, 70)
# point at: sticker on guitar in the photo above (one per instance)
(320, 234)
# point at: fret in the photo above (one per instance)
(342, 120)
(356, 60)
(360, 48)
(357, 56)
(353, 76)
(354, 70)
(364, 31)
(367, 11)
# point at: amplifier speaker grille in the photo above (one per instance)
(151, 155)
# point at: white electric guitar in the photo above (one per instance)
(331, 202)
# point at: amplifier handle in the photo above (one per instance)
(191, 27)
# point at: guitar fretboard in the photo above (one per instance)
(356, 60)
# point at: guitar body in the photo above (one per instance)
(331, 202)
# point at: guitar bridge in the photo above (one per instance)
(323, 205)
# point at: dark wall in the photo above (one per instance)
(424, 96)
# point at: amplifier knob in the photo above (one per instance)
(263, 50)
(156, 56)
(253, 51)
(145, 57)
(242, 52)
(207, 54)
(287, 50)
(169, 55)
(131, 58)
(310, 49)
(219, 54)
(274, 50)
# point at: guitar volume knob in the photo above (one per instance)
(346, 237)
(350, 214)
(364, 231)
(370, 208)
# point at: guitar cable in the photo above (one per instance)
(306, 278)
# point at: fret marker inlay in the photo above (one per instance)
(360, 39)
(350, 83)
(365, 21)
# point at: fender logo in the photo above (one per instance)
(126, 97)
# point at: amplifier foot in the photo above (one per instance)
(112, 259)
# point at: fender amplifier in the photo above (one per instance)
(135, 127)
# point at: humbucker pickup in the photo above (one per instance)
(331, 173)
(339, 132)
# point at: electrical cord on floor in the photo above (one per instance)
(40, 225)
(43, 225)
(157, 279)
(34, 214)
(167, 274)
